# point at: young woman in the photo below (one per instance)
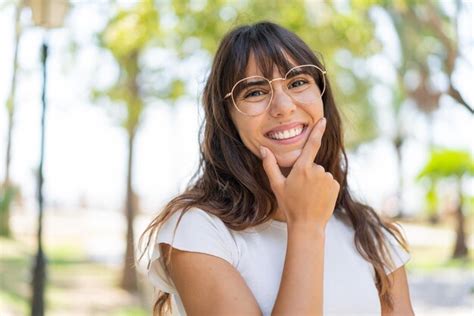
(269, 226)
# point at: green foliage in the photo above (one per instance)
(445, 163)
(7, 196)
(10, 104)
(126, 36)
(176, 90)
(132, 311)
(130, 31)
(436, 258)
(469, 205)
(431, 199)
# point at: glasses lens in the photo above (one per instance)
(252, 95)
(305, 84)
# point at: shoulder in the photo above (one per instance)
(192, 218)
(194, 230)
(195, 225)
(397, 254)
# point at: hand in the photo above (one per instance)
(309, 193)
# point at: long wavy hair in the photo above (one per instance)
(231, 183)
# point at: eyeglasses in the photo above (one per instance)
(253, 95)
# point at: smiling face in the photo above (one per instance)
(286, 124)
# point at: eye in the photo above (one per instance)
(254, 94)
(297, 83)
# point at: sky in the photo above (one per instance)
(86, 152)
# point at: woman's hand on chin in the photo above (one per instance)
(308, 194)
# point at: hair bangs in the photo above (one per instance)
(269, 50)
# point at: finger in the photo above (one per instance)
(318, 168)
(271, 168)
(311, 148)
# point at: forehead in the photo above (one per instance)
(253, 68)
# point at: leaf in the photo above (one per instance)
(445, 163)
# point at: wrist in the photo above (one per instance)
(307, 228)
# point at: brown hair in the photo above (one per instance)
(231, 183)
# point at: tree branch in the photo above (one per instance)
(434, 24)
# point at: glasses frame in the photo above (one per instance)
(231, 93)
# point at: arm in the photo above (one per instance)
(400, 294)
(307, 197)
(208, 285)
(301, 287)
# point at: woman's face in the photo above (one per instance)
(283, 114)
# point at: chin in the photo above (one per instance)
(287, 160)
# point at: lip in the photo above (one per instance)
(291, 140)
(285, 127)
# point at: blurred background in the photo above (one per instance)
(99, 118)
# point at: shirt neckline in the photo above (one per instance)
(278, 224)
(284, 225)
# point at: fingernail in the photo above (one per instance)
(263, 152)
(323, 121)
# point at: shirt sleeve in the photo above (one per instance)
(399, 255)
(198, 231)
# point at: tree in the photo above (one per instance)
(7, 189)
(451, 164)
(126, 36)
(429, 46)
(435, 34)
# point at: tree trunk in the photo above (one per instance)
(434, 214)
(460, 248)
(5, 212)
(398, 142)
(40, 265)
(129, 276)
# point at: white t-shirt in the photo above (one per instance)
(258, 253)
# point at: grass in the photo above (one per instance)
(130, 311)
(14, 277)
(76, 286)
(432, 258)
(429, 259)
(446, 221)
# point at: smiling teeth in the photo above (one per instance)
(286, 134)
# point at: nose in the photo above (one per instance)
(281, 104)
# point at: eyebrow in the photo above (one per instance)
(298, 71)
(250, 83)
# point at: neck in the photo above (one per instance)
(285, 171)
(279, 216)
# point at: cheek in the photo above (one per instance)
(250, 135)
(250, 140)
(315, 110)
